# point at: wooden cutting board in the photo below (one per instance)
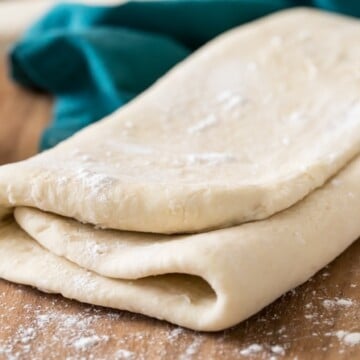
(318, 320)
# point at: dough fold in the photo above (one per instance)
(153, 209)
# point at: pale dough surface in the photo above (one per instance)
(251, 125)
(244, 128)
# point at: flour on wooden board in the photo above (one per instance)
(54, 326)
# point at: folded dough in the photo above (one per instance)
(206, 281)
(245, 128)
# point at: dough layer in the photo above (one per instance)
(244, 128)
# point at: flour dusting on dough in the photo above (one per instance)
(229, 100)
(10, 194)
(95, 183)
(204, 124)
(95, 250)
(209, 158)
(84, 282)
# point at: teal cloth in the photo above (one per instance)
(95, 59)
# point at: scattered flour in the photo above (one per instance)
(230, 100)
(71, 331)
(348, 338)
(95, 250)
(174, 334)
(295, 118)
(26, 334)
(209, 158)
(96, 184)
(10, 194)
(251, 349)
(86, 281)
(328, 303)
(87, 342)
(204, 124)
(57, 325)
(277, 349)
(123, 354)
(192, 349)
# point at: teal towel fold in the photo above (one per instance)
(95, 59)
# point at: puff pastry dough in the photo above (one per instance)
(263, 123)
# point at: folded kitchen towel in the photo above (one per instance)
(94, 59)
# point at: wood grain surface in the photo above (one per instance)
(318, 320)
